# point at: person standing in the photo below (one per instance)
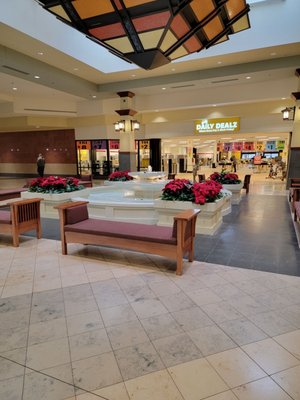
(234, 163)
(40, 162)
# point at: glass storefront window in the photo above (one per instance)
(83, 156)
(143, 154)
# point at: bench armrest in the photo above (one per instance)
(70, 204)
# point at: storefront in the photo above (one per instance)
(101, 157)
(217, 141)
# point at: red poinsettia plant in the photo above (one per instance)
(185, 190)
(120, 176)
(54, 184)
(225, 178)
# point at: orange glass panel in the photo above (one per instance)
(133, 3)
(150, 22)
(202, 8)
(108, 31)
(179, 26)
(234, 7)
(193, 44)
(213, 28)
(91, 8)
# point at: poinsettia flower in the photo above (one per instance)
(120, 176)
(225, 178)
(54, 184)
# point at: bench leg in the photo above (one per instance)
(191, 251)
(179, 266)
(64, 248)
(15, 236)
(39, 230)
(16, 241)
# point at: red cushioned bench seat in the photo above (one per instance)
(151, 233)
(174, 243)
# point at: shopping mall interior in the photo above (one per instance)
(115, 324)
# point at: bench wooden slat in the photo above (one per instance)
(25, 216)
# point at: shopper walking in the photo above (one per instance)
(40, 162)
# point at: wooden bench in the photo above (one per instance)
(173, 243)
(6, 194)
(22, 216)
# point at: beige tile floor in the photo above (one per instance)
(117, 325)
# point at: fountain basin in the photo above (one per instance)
(137, 202)
(148, 176)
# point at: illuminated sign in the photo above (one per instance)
(217, 125)
(83, 144)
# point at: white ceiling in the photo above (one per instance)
(64, 79)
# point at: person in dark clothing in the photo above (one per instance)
(40, 162)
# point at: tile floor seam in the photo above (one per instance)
(260, 379)
(27, 342)
(50, 376)
(69, 346)
(284, 369)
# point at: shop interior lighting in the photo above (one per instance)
(152, 33)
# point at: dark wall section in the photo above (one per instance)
(155, 154)
(23, 147)
(294, 165)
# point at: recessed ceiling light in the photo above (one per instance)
(273, 54)
(163, 88)
(133, 75)
(248, 77)
(36, 77)
(75, 69)
(283, 98)
(94, 96)
(214, 105)
(40, 53)
(14, 88)
(219, 62)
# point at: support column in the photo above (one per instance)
(127, 154)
